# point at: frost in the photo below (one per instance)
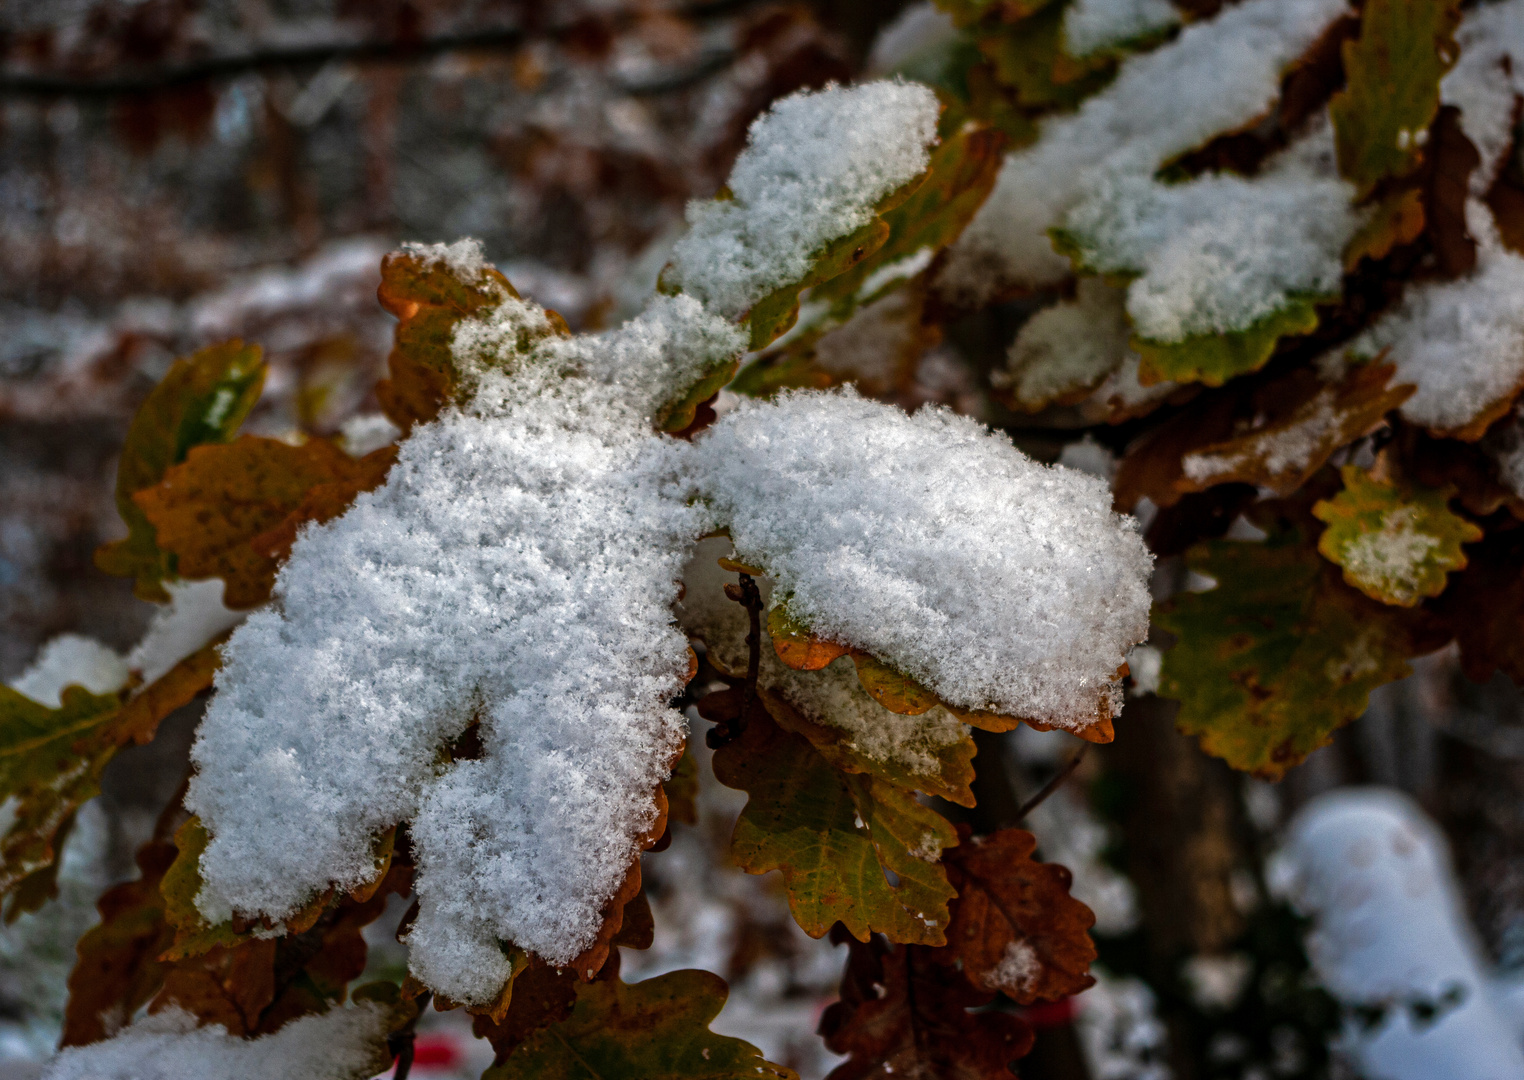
(814, 167)
(1068, 347)
(1484, 81)
(1017, 970)
(460, 591)
(1093, 25)
(341, 1044)
(1221, 252)
(69, 660)
(1461, 343)
(935, 545)
(1217, 76)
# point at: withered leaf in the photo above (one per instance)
(904, 1012)
(1281, 653)
(233, 510)
(1015, 928)
(832, 835)
(1296, 423)
(796, 646)
(655, 1028)
(1395, 542)
(202, 399)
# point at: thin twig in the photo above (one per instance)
(750, 597)
(1052, 785)
(402, 1043)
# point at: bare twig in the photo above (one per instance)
(750, 597)
(402, 1043)
(1052, 785)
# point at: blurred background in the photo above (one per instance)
(179, 172)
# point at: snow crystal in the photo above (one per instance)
(1218, 75)
(936, 545)
(1461, 343)
(814, 167)
(459, 591)
(1093, 25)
(1221, 252)
(1018, 969)
(194, 617)
(69, 660)
(1485, 80)
(1067, 347)
(832, 697)
(341, 1044)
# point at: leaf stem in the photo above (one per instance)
(1052, 785)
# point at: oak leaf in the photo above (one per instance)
(905, 1012)
(1392, 71)
(891, 688)
(202, 399)
(1213, 359)
(539, 995)
(682, 789)
(1015, 928)
(658, 1028)
(233, 510)
(1281, 653)
(1396, 543)
(832, 835)
(1296, 423)
(797, 646)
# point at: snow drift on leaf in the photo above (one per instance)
(935, 545)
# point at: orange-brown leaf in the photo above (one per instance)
(232, 510)
(796, 646)
(1015, 928)
(892, 689)
(904, 1012)
(178, 686)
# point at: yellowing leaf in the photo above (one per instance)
(1295, 423)
(181, 884)
(796, 646)
(775, 314)
(1213, 359)
(832, 835)
(1396, 544)
(1015, 928)
(202, 399)
(1280, 654)
(51, 762)
(428, 299)
(682, 789)
(176, 687)
(1397, 219)
(1392, 71)
(945, 770)
(656, 1029)
(892, 689)
(233, 510)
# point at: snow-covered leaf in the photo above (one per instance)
(1015, 928)
(832, 835)
(655, 1028)
(1396, 543)
(202, 399)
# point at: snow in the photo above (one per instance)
(1217, 982)
(1485, 80)
(1120, 1031)
(1017, 971)
(1390, 931)
(1390, 558)
(464, 258)
(341, 1044)
(366, 432)
(1280, 451)
(1461, 343)
(517, 568)
(1089, 456)
(920, 32)
(935, 545)
(70, 660)
(1093, 25)
(1068, 347)
(814, 167)
(1217, 76)
(1221, 252)
(195, 616)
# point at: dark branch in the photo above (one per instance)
(750, 597)
(1052, 785)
